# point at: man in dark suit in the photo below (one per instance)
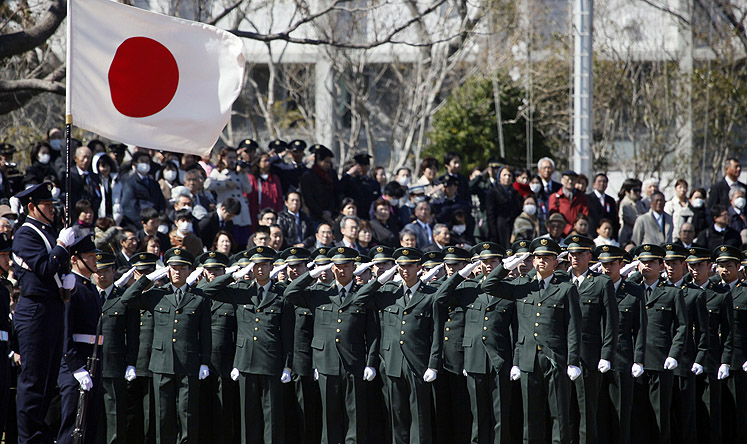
(421, 226)
(549, 343)
(296, 225)
(140, 191)
(120, 327)
(345, 344)
(487, 362)
(720, 342)
(82, 314)
(412, 329)
(320, 187)
(665, 339)
(602, 206)
(719, 232)
(545, 170)
(40, 256)
(128, 245)
(599, 333)
(719, 194)
(181, 345)
(84, 183)
(217, 220)
(359, 186)
(629, 354)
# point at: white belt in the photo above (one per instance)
(87, 339)
(4, 336)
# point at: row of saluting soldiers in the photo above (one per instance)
(599, 355)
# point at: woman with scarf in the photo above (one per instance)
(267, 192)
(319, 186)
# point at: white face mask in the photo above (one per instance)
(163, 229)
(530, 209)
(698, 203)
(419, 199)
(739, 202)
(56, 193)
(404, 181)
(535, 187)
(459, 229)
(169, 175)
(56, 144)
(44, 158)
(143, 168)
(184, 226)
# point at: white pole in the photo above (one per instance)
(583, 13)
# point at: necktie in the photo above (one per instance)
(103, 296)
(342, 295)
(178, 294)
(648, 293)
(408, 294)
(542, 284)
(261, 295)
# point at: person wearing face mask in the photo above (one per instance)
(229, 179)
(55, 140)
(40, 167)
(460, 233)
(526, 225)
(184, 232)
(169, 179)
(737, 218)
(697, 204)
(139, 191)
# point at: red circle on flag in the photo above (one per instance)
(142, 77)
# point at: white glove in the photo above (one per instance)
(563, 255)
(130, 374)
(235, 374)
(286, 376)
(66, 237)
(195, 275)
(723, 371)
(513, 262)
(232, 268)
(515, 373)
(204, 372)
(362, 267)
(464, 372)
(430, 375)
(158, 274)
(604, 366)
(274, 272)
(637, 370)
(596, 267)
(427, 277)
(317, 271)
(316, 375)
(68, 281)
(670, 364)
(384, 278)
(237, 275)
(744, 366)
(369, 373)
(467, 271)
(573, 372)
(125, 278)
(625, 271)
(84, 378)
(697, 368)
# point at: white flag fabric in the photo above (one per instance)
(148, 79)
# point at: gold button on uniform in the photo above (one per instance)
(337, 339)
(176, 321)
(535, 335)
(256, 319)
(339, 321)
(446, 338)
(538, 314)
(256, 328)
(173, 340)
(339, 311)
(447, 328)
(539, 304)
(536, 324)
(402, 332)
(255, 338)
(404, 322)
(338, 330)
(174, 330)
(401, 342)
(486, 318)
(485, 328)
(484, 338)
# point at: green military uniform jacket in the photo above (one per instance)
(411, 334)
(720, 319)
(223, 327)
(119, 326)
(696, 333)
(631, 340)
(739, 327)
(303, 333)
(666, 317)
(181, 332)
(549, 319)
(600, 319)
(346, 333)
(491, 325)
(453, 351)
(264, 337)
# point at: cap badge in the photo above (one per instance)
(341, 250)
(451, 249)
(322, 250)
(178, 252)
(99, 257)
(669, 247)
(379, 249)
(605, 248)
(647, 248)
(405, 252)
(293, 251)
(211, 254)
(260, 249)
(485, 246)
(723, 248)
(142, 257)
(692, 251)
(522, 244)
(543, 241)
(574, 238)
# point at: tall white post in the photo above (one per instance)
(583, 12)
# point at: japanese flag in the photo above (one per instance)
(148, 79)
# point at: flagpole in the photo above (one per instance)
(68, 113)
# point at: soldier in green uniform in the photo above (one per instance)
(433, 268)
(218, 392)
(628, 359)
(526, 267)
(319, 258)
(141, 417)
(308, 420)
(345, 344)
(382, 259)
(412, 332)
(720, 339)
(599, 333)
(452, 419)
(363, 272)
(549, 341)
(181, 345)
(696, 345)
(120, 328)
(490, 334)
(666, 316)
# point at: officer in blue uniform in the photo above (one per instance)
(40, 255)
(82, 315)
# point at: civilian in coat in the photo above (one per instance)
(319, 186)
(719, 233)
(629, 194)
(502, 206)
(453, 165)
(654, 227)
(384, 227)
(568, 201)
(140, 191)
(601, 205)
(737, 219)
(290, 172)
(421, 226)
(84, 184)
(359, 186)
(296, 225)
(266, 189)
(220, 219)
(719, 194)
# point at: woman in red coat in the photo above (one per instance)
(266, 189)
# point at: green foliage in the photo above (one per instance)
(467, 124)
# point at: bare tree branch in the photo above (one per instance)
(25, 40)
